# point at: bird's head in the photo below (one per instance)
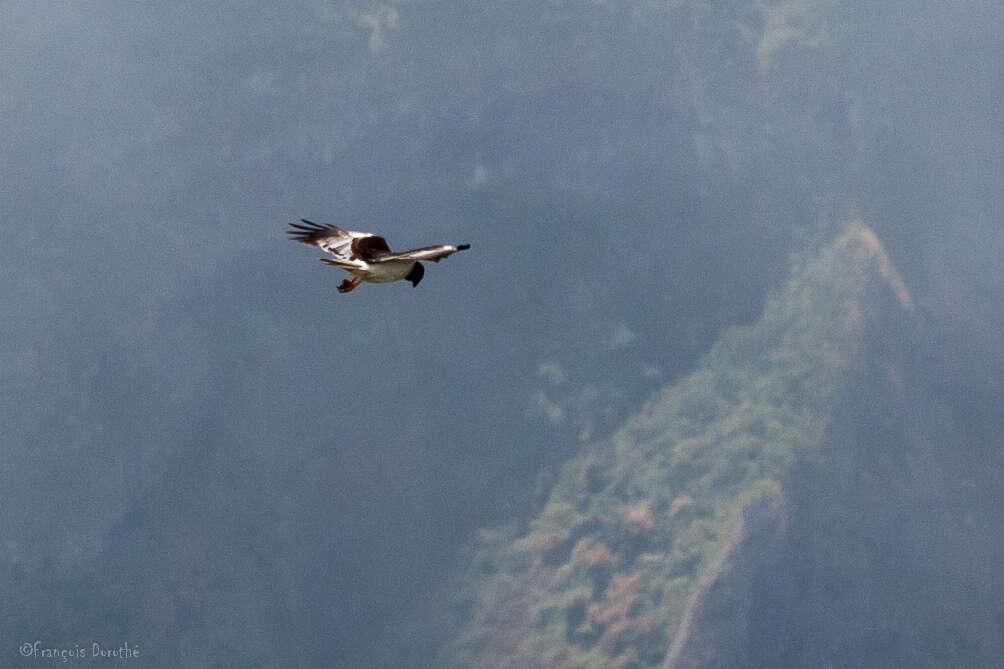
(416, 274)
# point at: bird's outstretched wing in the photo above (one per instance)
(341, 243)
(433, 253)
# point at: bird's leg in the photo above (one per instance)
(348, 284)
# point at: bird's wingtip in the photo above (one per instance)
(463, 247)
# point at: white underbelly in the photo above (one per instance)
(384, 272)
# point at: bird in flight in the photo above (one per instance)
(366, 256)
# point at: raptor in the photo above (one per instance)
(366, 256)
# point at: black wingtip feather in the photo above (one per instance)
(313, 227)
(463, 247)
(308, 232)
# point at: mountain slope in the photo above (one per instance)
(646, 541)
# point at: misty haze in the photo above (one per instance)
(719, 382)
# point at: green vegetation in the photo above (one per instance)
(633, 526)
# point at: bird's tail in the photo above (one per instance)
(338, 262)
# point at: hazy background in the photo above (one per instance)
(212, 455)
